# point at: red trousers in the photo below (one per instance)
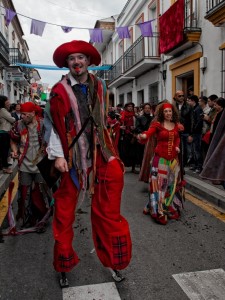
(110, 230)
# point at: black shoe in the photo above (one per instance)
(116, 275)
(64, 283)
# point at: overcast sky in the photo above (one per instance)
(71, 13)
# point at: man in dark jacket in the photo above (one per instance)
(142, 124)
(186, 119)
(196, 133)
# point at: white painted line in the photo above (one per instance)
(203, 285)
(102, 291)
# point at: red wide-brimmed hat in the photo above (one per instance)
(62, 52)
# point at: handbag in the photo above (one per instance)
(48, 171)
(206, 137)
(47, 167)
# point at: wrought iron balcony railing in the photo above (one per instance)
(15, 57)
(215, 12)
(213, 4)
(143, 47)
(104, 74)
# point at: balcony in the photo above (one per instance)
(191, 31)
(16, 73)
(140, 57)
(215, 12)
(4, 49)
(15, 57)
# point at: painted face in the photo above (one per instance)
(27, 117)
(78, 64)
(167, 112)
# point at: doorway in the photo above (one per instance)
(184, 82)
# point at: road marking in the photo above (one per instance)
(103, 291)
(4, 200)
(202, 285)
(213, 210)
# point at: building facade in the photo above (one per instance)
(15, 81)
(186, 50)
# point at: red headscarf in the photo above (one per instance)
(167, 105)
(28, 107)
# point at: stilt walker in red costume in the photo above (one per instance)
(78, 107)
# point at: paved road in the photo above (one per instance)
(167, 264)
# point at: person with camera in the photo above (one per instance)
(113, 124)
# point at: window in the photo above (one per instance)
(190, 13)
(121, 99)
(13, 39)
(153, 93)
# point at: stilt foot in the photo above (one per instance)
(117, 276)
(64, 283)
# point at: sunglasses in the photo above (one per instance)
(180, 96)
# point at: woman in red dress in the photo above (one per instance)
(165, 200)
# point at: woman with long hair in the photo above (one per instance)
(165, 199)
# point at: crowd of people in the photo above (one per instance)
(83, 136)
(197, 120)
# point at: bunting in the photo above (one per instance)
(66, 29)
(96, 35)
(146, 28)
(123, 32)
(9, 15)
(37, 27)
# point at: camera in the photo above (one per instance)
(114, 115)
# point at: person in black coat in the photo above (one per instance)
(186, 119)
(142, 124)
(196, 133)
